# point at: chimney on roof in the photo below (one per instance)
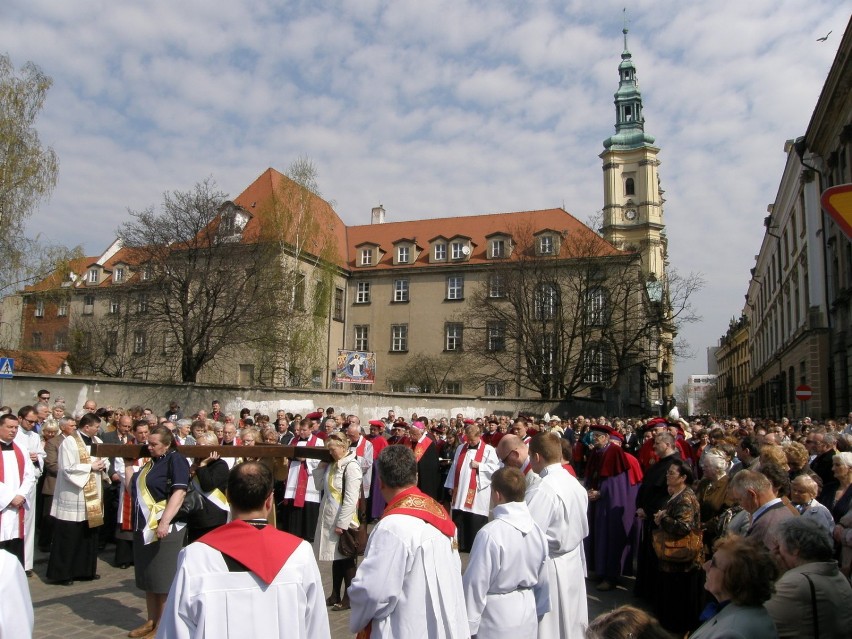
(378, 215)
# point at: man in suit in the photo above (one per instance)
(121, 435)
(754, 493)
(821, 444)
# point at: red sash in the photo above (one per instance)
(263, 551)
(527, 467)
(127, 498)
(359, 451)
(302, 484)
(19, 456)
(415, 503)
(421, 447)
(474, 474)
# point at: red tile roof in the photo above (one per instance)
(44, 362)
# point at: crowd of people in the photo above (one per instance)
(729, 526)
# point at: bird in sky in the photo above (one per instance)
(824, 38)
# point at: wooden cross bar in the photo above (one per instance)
(135, 451)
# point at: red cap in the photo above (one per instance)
(603, 428)
(468, 420)
(317, 414)
(377, 422)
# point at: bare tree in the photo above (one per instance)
(433, 374)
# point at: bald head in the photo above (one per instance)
(512, 451)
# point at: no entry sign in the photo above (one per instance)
(804, 393)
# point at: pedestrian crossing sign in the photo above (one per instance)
(7, 368)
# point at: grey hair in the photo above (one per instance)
(807, 538)
(41, 405)
(183, 422)
(845, 457)
(808, 483)
(62, 421)
(830, 440)
(750, 480)
(714, 459)
(665, 436)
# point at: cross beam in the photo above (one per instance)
(135, 451)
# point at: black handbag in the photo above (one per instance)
(353, 541)
(193, 500)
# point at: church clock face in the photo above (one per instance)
(630, 214)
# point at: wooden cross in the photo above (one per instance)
(135, 451)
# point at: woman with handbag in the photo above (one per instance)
(679, 548)
(159, 489)
(338, 512)
(210, 481)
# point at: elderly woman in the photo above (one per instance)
(740, 577)
(803, 493)
(337, 513)
(626, 622)
(159, 489)
(712, 494)
(812, 598)
(677, 595)
(841, 500)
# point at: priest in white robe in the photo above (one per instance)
(16, 606)
(246, 579)
(506, 584)
(513, 452)
(558, 504)
(32, 445)
(302, 493)
(469, 481)
(409, 583)
(17, 479)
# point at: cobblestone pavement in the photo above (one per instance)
(112, 606)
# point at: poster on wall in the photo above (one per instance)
(356, 367)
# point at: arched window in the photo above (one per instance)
(629, 187)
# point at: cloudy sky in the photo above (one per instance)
(432, 108)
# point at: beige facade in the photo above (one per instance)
(733, 381)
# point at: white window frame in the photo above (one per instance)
(403, 254)
(94, 276)
(62, 310)
(546, 245)
(400, 290)
(498, 248)
(594, 361)
(441, 251)
(455, 287)
(146, 273)
(114, 307)
(595, 306)
(497, 286)
(142, 303)
(546, 301)
(139, 342)
(39, 308)
(452, 388)
(456, 251)
(366, 257)
(496, 337)
(363, 294)
(362, 337)
(453, 336)
(399, 338)
(118, 275)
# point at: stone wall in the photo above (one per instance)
(114, 392)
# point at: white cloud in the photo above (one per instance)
(432, 108)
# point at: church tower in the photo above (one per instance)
(633, 199)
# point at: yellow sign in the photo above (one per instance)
(837, 202)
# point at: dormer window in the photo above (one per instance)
(231, 223)
(497, 249)
(94, 275)
(118, 275)
(545, 245)
(457, 250)
(402, 254)
(366, 257)
(440, 251)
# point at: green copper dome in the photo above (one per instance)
(629, 121)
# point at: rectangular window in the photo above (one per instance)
(299, 292)
(452, 388)
(402, 253)
(111, 345)
(593, 366)
(113, 307)
(36, 340)
(399, 337)
(400, 291)
(548, 354)
(457, 250)
(138, 342)
(88, 304)
(59, 341)
(440, 251)
(146, 273)
(363, 296)
(39, 308)
(496, 336)
(595, 300)
(94, 276)
(142, 303)
(62, 311)
(545, 245)
(546, 301)
(497, 286)
(453, 336)
(366, 257)
(338, 304)
(498, 248)
(362, 338)
(495, 389)
(455, 287)
(118, 275)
